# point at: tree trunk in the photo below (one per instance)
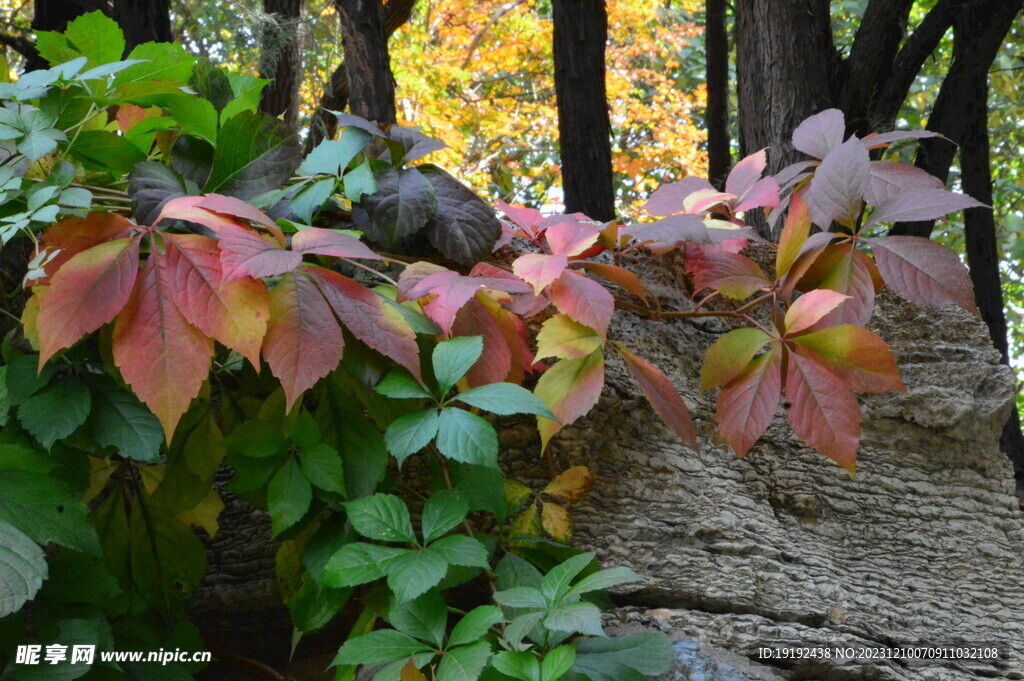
(371, 89)
(786, 67)
(281, 60)
(143, 21)
(716, 46)
(584, 129)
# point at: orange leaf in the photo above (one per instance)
(74, 235)
(303, 342)
(747, 405)
(235, 314)
(857, 356)
(161, 356)
(411, 673)
(794, 235)
(571, 486)
(86, 293)
(822, 411)
(619, 275)
(843, 268)
(663, 397)
(571, 388)
(734, 276)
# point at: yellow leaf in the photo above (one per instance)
(572, 486)
(528, 523)
(556, 522)
(411, 673)
(566, 338)
(205, 513)
(516, 494)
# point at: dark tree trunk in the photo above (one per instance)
(584, 130)
(371, 88)
(143, 21)
(716, 46)
(281, 60)
(786, 68)
(54, 15)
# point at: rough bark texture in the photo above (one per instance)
(925, 545)
(716, 47)
(143, 21)
(281, 59)
(786, 65)
(584, 130)
(371, 88)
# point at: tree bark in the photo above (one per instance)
(716, 46)
(786, 68)
(281, 60)
(371, 88)
(143, 21)
(584, 129)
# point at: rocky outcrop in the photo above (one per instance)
(785, 549)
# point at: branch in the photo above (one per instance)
(19, 44)
(918, 47)
(479, 37)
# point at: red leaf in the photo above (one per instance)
(86, 293)
(764, 193)
(245, 253)
(838, 185)
(794, 235)
(74, 235)
(810, 308)
(730, 355)
(747, 404)
(571, 388)
(842, 268)
(889, 180)
(735, 276)
(514, 331)
(451, 290)
(526, 219)
(746, 173)
(663, 397)
(584, 300)
(668, 198)
(235, 314)
(331, 243)
(539, 270)
(922, 204)
(821, 133)
(214, 211)
(495, 363)
(369, 318)
(860, 358)
(822, 411)
(619, 275)
(571, 238)
(923, 271)
(161, 356)
(303, 342)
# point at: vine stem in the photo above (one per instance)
(677, 314)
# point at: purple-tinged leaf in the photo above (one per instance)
(922, 204)
(328, 242)
(821, 133)
(822, 410)
(668, 198)
(663, 397)
(764, 193)
(810, 308)
(923, 271)
(245, 253)
(889, 180)
(583, 300)
(838, 186)
(792, 173)
(746, 173)
(843, 269)
(748, 403)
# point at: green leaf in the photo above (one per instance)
(45, 509)
(212, 84)
(464, 663)
(24, 379)
(475, 624)
(322, 467)
(22, 569)
(557, 662)
(315, 605)
(379, 647)
(194, 115)
(57, 411)
(581, 617)
(288, 496)
(255, 153)
(311, 199)
(358, 563)
(505, 399)
(401, 385)
(519, 665)
(92, 35)
(458, 549)
(521, 597)
(467, 437)
(256, 439)
(424, 618)
(246, 90)
(443, 510)
(168, 62)
(103, 151)
(514, 571)
(556, 583)
(121, 421)
(410, 433)
(167, 559)
(383, 517)
(304, 431)
(413, 572)
(331, 157)
(524, 625)
(453, 358)
(604, 579)
(359, 181)
(648, 654)
(482, 487)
